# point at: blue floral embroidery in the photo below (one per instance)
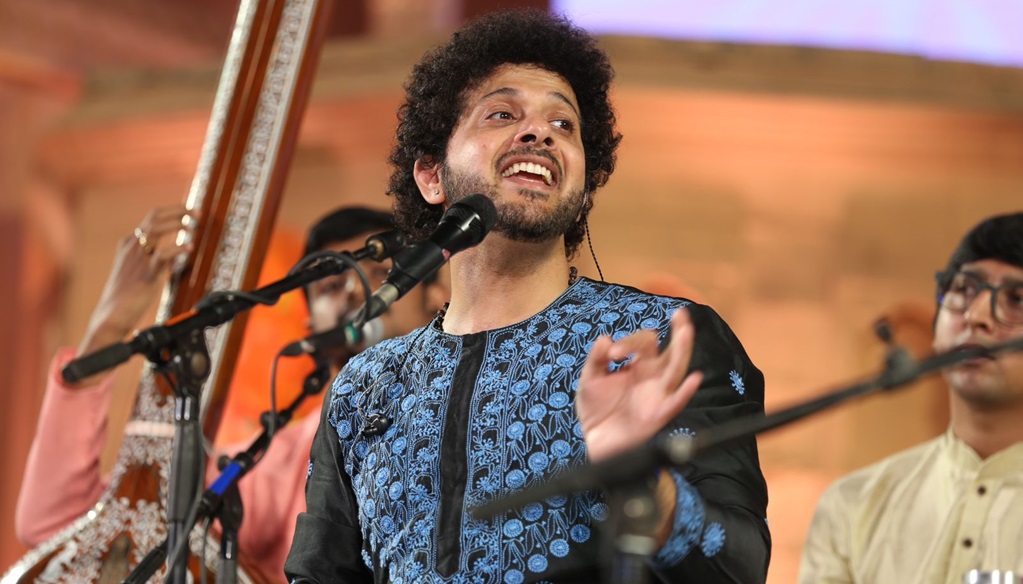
(687, 432)
(737, 382)
(559, 548)
(687, 525)
(580, 533)
(521, 428)
(713, 539)
(367, 559)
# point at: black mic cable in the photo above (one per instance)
(379, 247)
(345, 335)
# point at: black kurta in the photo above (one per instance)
(474, 417)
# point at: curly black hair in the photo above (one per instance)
(437, 89)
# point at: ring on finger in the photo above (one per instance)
(143, 239)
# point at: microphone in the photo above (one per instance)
(343, 336)
(463, 225)
(381, 246)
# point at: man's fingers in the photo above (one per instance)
(151, 237)
(162, 214)
(597, 361)
(165, 220)
(169, 223)
(169, 252)
(641, 344)
(677, 401)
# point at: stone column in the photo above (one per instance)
(32, 235)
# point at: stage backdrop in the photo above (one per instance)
(801, 192)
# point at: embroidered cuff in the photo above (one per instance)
(687, 525)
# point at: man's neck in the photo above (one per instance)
(502, 282)
(986, 431)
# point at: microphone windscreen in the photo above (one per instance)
(484, 207)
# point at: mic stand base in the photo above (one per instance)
(222, 499)
(230, 515)
(634, 519)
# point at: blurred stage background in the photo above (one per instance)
(802, 167)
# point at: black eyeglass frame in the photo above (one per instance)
(944, 279)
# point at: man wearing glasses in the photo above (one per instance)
(936, 512)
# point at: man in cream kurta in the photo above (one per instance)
(929, 514)
(932, 513)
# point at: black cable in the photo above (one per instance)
(180, 547)
(586, 226)
(271, 426)
(302, 264)
(345, 259)
(367, 292)
(312, 258)
(227, 295)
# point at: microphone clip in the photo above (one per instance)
(899, 364)
(375, 425)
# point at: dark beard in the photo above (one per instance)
(514, 220)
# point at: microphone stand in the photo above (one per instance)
(229, 514)
(189, 366)
(634, 512)
(178, 348)
(222, 500)
(635, 466)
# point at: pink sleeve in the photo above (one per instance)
(62, 477)
(273, 494)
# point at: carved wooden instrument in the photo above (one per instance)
(251, 136)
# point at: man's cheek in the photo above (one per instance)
(324, 316)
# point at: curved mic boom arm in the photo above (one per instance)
(213, 310)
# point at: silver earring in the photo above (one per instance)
(436, 192)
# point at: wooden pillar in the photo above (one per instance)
(31, 97)
(20, 395)
(28, 302)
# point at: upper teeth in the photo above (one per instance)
(531, 168)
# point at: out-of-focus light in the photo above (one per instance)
(980, 31)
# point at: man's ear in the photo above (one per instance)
(427, 174)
